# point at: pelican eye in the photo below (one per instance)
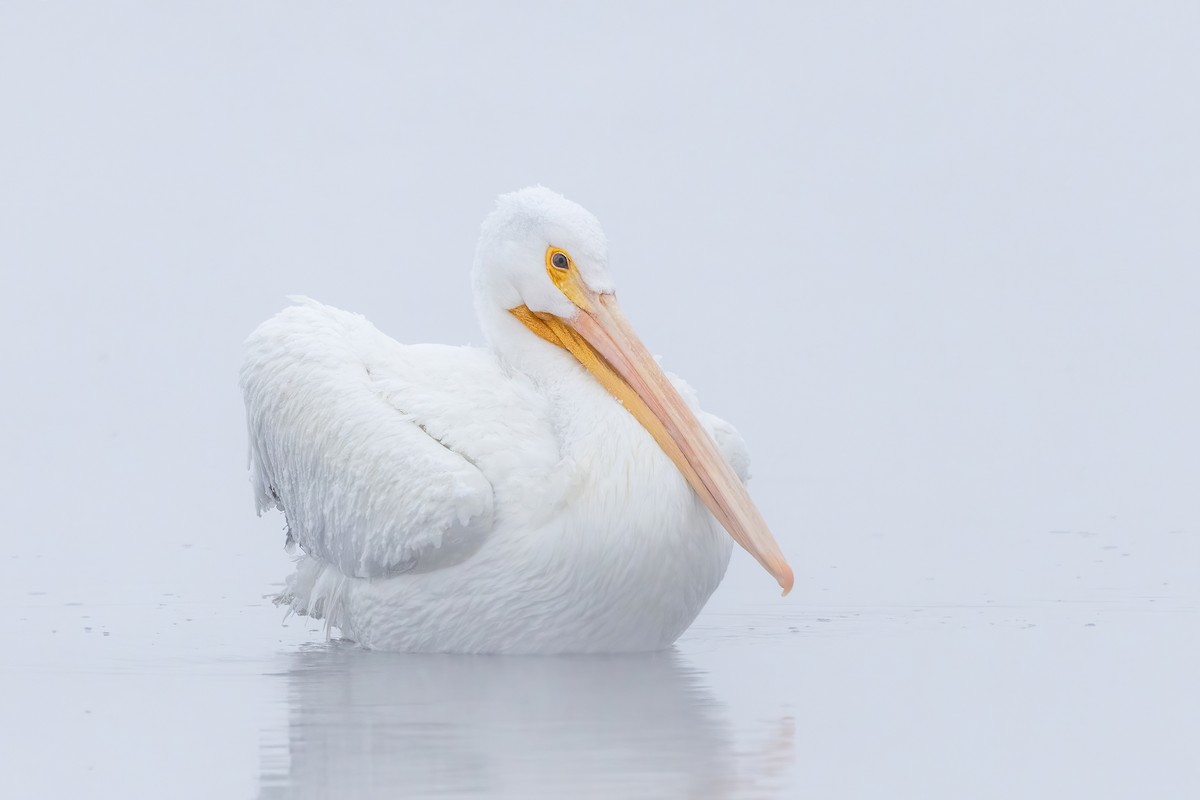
(560, 261)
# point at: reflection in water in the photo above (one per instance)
(365, 724)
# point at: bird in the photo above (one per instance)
(555, 491)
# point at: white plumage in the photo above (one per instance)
(459, 499)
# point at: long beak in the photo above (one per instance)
(603, 341)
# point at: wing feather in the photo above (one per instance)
(362, 482)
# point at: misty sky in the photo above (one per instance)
(939, 265)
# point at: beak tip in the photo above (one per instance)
(785, 578)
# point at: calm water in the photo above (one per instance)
(1080, 682)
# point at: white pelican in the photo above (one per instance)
(554, 492)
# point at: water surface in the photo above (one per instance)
(1080, 683)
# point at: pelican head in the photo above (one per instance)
(544, 260)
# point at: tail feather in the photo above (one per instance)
(316, 590)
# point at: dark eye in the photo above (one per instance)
(559, 260)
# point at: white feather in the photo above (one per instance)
(459, 499)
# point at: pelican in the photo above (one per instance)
(554, 492)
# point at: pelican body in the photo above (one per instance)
(553, 492)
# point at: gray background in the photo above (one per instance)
(938, 263)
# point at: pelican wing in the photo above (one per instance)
(351, 437)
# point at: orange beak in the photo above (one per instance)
(603, 341)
